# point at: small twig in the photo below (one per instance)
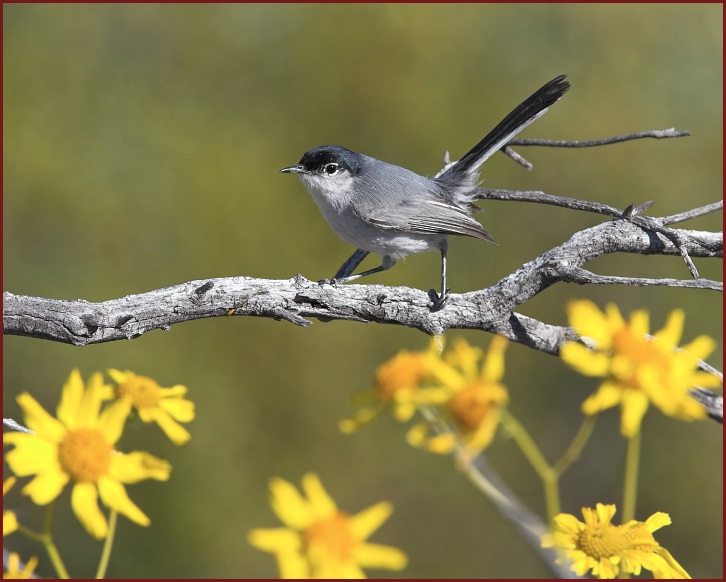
(582, 276)
(695, 213)
(713, 403)
(655, 133)
(10, 423)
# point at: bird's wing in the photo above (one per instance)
(432, 216)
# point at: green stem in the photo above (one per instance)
(630, 489)
(46, 538)
(576, 446)
(108, 545)
(550, 478)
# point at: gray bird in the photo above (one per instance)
(388, 210)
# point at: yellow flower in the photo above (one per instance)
(609, 550)
(153, 403)
(319, 540)
(10, 522)
(78, 447)
(476, 398)
(16, 570)
(403, 383)
(638, 370)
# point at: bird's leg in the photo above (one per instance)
(349, 266)
(344, 273)
(438, 301)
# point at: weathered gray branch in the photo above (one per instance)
(80, 322)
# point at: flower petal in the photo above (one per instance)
(365, 522)
(179, 409)
(657, 521)
(280, 539)
(91, 402)
(493, 367)
(32, 454)
(608, 395)
(379, 556)
(71, 397)
(38, 420)
(584, 360)
(175, 431)
(114, 496)
(671, 334)
(137, 466)
(589, 321)
(634, 406)
(322, 504)
(112, 420)
(177, 390)
(84, 500)
(46, 486)
(286, 545)
(290, 507)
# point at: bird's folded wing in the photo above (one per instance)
(432, 217)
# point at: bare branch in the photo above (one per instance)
(655, 133)
(696, 212)
(80, 322)
(713, 403)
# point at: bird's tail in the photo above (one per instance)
(463, 172)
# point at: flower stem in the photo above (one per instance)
(108, 545)
(550, 477)
(46, 538)
(630, 489)
(576, 446)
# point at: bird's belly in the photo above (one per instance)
(382, 241)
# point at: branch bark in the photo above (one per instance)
(80, 322)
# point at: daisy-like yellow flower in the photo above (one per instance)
(476, 396)
(638, 370)
(10, 522)
(319, 540)
(165, 406)
(16, 570)
(404, 383)
(609, 550)
(78, 447)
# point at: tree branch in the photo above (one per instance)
(80, 322)
(296, 300)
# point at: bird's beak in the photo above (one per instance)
(294, 170)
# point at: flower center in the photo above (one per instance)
(404, 371)
(85, 455)
(142, 391)
(602, 542)
(471, 405)
(333, 536)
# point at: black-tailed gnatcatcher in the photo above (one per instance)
(391, 211)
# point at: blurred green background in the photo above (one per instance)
(142, 145)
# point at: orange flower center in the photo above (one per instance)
(333, 536)
(471, 405)
(405, 370)
(142, 391)
(638, 352)
(638, 349)
(85, 455)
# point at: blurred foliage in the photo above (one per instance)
(141, 149)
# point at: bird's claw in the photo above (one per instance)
(438, 301)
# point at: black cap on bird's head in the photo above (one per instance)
(327, 159)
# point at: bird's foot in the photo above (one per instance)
(438, 301)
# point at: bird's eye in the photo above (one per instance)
(330, 169)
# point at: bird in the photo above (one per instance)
(388, 210)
